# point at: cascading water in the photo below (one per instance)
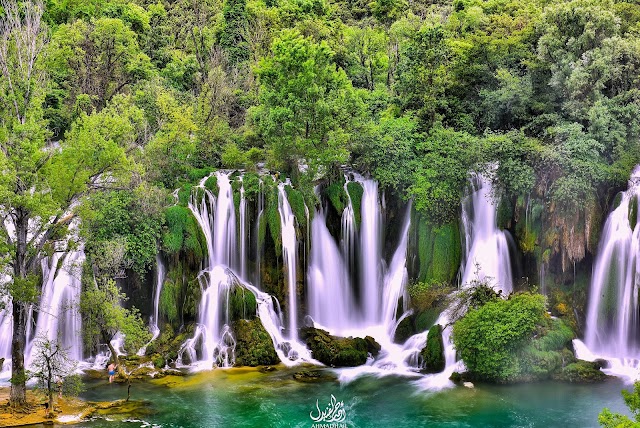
(330, 297)
(213, 341)
(216, 217)
(486, 247)
(153, 322)
(371, 250)
(612, 326)
(290, 254)
(58, 317)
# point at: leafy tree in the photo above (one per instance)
(445, 159)
(609, 419)
(42, 182)
(233, 29)
(307, 107)
(103, 315)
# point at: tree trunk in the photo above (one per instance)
(19, 340)
(18, 396)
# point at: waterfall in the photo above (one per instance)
(486, 248)
(216, 217)
(371, 250)
(330, 298)
(160, 277)
(153, 322)
(213, 342)
(612, 325)
(349, 231)
(58, 315)
(290, 253)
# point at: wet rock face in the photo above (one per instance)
(433, 352)
(253, 344)
(339, 351)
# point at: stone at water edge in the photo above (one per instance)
(254, 346)
(468, 385)
(433, 352)
(339, 351)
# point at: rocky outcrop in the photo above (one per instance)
(339, 351)
(254, 346)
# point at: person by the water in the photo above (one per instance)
(112, 371)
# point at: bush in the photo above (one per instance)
(489, 337)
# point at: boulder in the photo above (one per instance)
(433, 352)
(254, 346)
(339, 351)
(581, 372)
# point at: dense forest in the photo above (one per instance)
(108, 107)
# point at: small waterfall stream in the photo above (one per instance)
(290, 254)
(486, 248)
(612, 326)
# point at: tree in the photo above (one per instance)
(307, 107)
(43, 181)
(103, 315)
(608, 419)
(53, 369)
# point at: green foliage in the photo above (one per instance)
(433, 352)
(608, 419)
(443, 169)
(133, 218)
(232, 34)
(232, 157)
(336, 194)
(296, 200)
(183, 233)
(169, 298)
(489, 337)
(103, 316)
(356, 191)
(307, 106)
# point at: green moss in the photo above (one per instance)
(356, 191)
(168, 305)
(183, 233)
(339, 351)
(433, 352)
(254, 346)
(504, 213)
(184, 194)
(617, 200)
(273, 219)
(236, 185)
(633, 212)
(528, 241)
(212, 184)
(296, 200)
(242, 304)
(337, 196)
(426, 318)
(198, 174)
(251, 182)
(439, 252)
(581, 372)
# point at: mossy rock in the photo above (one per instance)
(633, 212)
(314, 376)
(296, 200)
(183, 233)
(337, 196)
(211, 183)
(242, 304)
(254, 346)
(433, 352)
(581, 372)
(356, 191)
(339, 351)
(504, 213)
(439, 252)
(404, 330)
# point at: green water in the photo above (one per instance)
(275, 400)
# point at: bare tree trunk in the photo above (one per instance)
(18, 395)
